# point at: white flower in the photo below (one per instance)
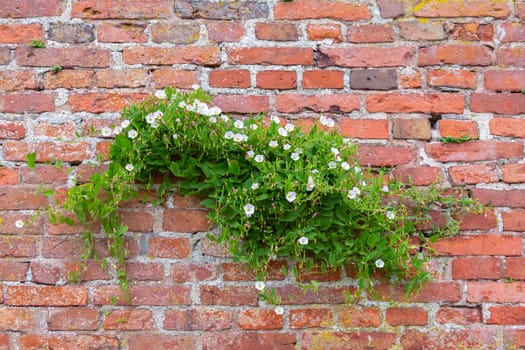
(250, 154)
(259, 158)
(345, 165)
(310, 184)
(129, 167)
(334, 151)
(289, 127)
(390, 215)
(353, 193)
(249, 209)
(195, 86)
(282, 132)
(332, 165)
(303, 240)
(357, 170)
(160, 94)
(329, 122)
(279, 310)
(117, 130)
(291, 196)
(238, 124)
(286, 146)
(182, 104)
(125, 123)
(385, 188)
(275, 119)
(253, 126)
(213, 120)
(255, 186)
(299, 150)
(177, 120)
(228, 135)
(106, 132)
(152, 117)
(273, 143)
(238, 137)
(224, 117)
(175, 136)
(132, 133)
(380, 263)
(154, 125)
(19, 223)
(214, 110)
(295, 156)
(363, 183)
(259, 285)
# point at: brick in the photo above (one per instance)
(370, 33)
(228, 295)
(45, 273)
(20, 33)
(322, 31)
(506, 315)
(497, 103)
(59, 341)
(185, 272)
(323, 79)
(495, 292)
(504, 80)
(514, 268)
(364, 128)
(17, 319)
(249, 340)
(198, 319)
(406, 316)
(73, 319)
(340, 340)
(221, 10)
(500, 198)
(472, 151)
(64, 57)
(514, 220)
(459, 315)
(513, 337)
(316, 274)
(418, 31)
(46, 296)
(230, 78)
(65, 130)
(359, 316)
(12, 130)
(466, 55)
(462, 79)
(99, 102)
(122, 32)
(313, 9)
(175, 33)
(213, 248)
(462, 338)
(471, 31)
(458, 128)
(415, 103)
(181, 79)
(511, 56)
(391, 8)
(46, 150)
(87, 271)
(479, 245)
(44, 174)
(365, 57)
(68, 79)
(410, 80)
(475, 268)
(463, 8)
(258, 318)
(520, 10)
(18, 80)
(35, 102)
(276, 31)
(294, 103)
(373, 79)
(384, 155)
(8, 176)
(202, 55)
(319, 317)
(120, 9)
(17, 247)
(411, 128)
(514, 173)
(431, 292)
(5, 55)
(129, 320)
(164, 247)
(121, 78)
(138, 271)
(270, 56)
(180, 220)
(276, 79)
(13, 271)
(241, 272)
(76, 33)
(417, 175)
(138, 341)
(473, 174)
(17, 198)
(294, 295)
(225, 31)
(137, 221)
(484, 221)
(30, 8)
(32, 226)
(242, 104)
(142, 295)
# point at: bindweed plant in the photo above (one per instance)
(274, 191)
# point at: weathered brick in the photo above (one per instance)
(243, 104)
(391, 8)
(466, 55)
(230, 78)
(5, 55)
(497, 103)
(463, 8)
(359, 316)
(258, 318)
(198, 319)
(73, 319)
(99, 102)
(86, 271)
(474, 268)
(431, 292)
(139, 341)
(295, 103)
(13, 271)
(479, 245)
(4, 341)
(45, 273)
(322, 31)
(166, 247)
(20, 33)
(182, 79)
(504, 80)
(341, 340)
(203, 55)
(185, 272)
(276, 79)
(411, 128)
(406, 316)
(384, 155)
(47, 150)
(111, 78)
(415, 103)
(511, 56)
(373, 79)
(519, 9)
(65, 57)
(122, 32)
(514, 220)
(71, 33)
(78, 341)
(485, 221)
(319, 317)
(364, 128)
(241, 272)
(44, 174)
(458, 128)
(221, 10)
(276, 31)
(463, 79)
(12, 130)
(18, 80)
(154, 295)
(31, 8)
(180, 220)
(329, 294)
(249, 340)
(471, 31)
(46, 296)
(370, 33)
(68, 79)
(495, 292)
(19, 197)
(17, 319)
(417, 31)
(120, 9)
(225, 31)
(175, 33)
(500, 198)
(459, 315)
(513, 337)
(514, 268)
(417, 175)
(65, 130)
(129, 320)
(270, 55)
(410, 79)
(323, 79)
(462, 338)
(314, 9)
(137, 221)
(365, 57)
(228, 295)
(36, 102)
(138, 271)
(506, 315)
(473, 174)
(8, 176)
(472, 151)
(514, 173)
(17, 247)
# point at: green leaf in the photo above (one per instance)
(31, 159)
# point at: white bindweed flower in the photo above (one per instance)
(249, 209)
(125, 123)
(195, 86)
(314, 171)
(259, 158)
(154, 125)
(295, 156)
(353, 193)
(160, 94)
(132, 133)
(332, 165)
(287, 146)
(19, 223)
(129, 167)
(289, 127)
(303, 240)
(117, 130)
(224, 117)
(291, 196)
(334, 151)
(279, 310)
(380, 263)
(345, 165)
(385, 188)
(214, 110)
(329, 122)
(182, 104)
(254, 186)
(275, 119)
(228, 135)
(250, 154)
(213, 120)
(106, 132)
(253, 126)
(283, 132)
(310, 184)
(357, 170)
(175, 136)
(259, 285)
(273, 143)
(238, 124)
(239, 138)
(390, 215)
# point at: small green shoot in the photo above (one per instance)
(450, 139)
(56, 68)
(31, 159)
(37, 43)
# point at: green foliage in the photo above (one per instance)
(450, 139)
(56, 68)
(274, 191)
(37, 43)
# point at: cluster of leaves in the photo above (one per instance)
(274, 191)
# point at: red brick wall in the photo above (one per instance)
(395, 75)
